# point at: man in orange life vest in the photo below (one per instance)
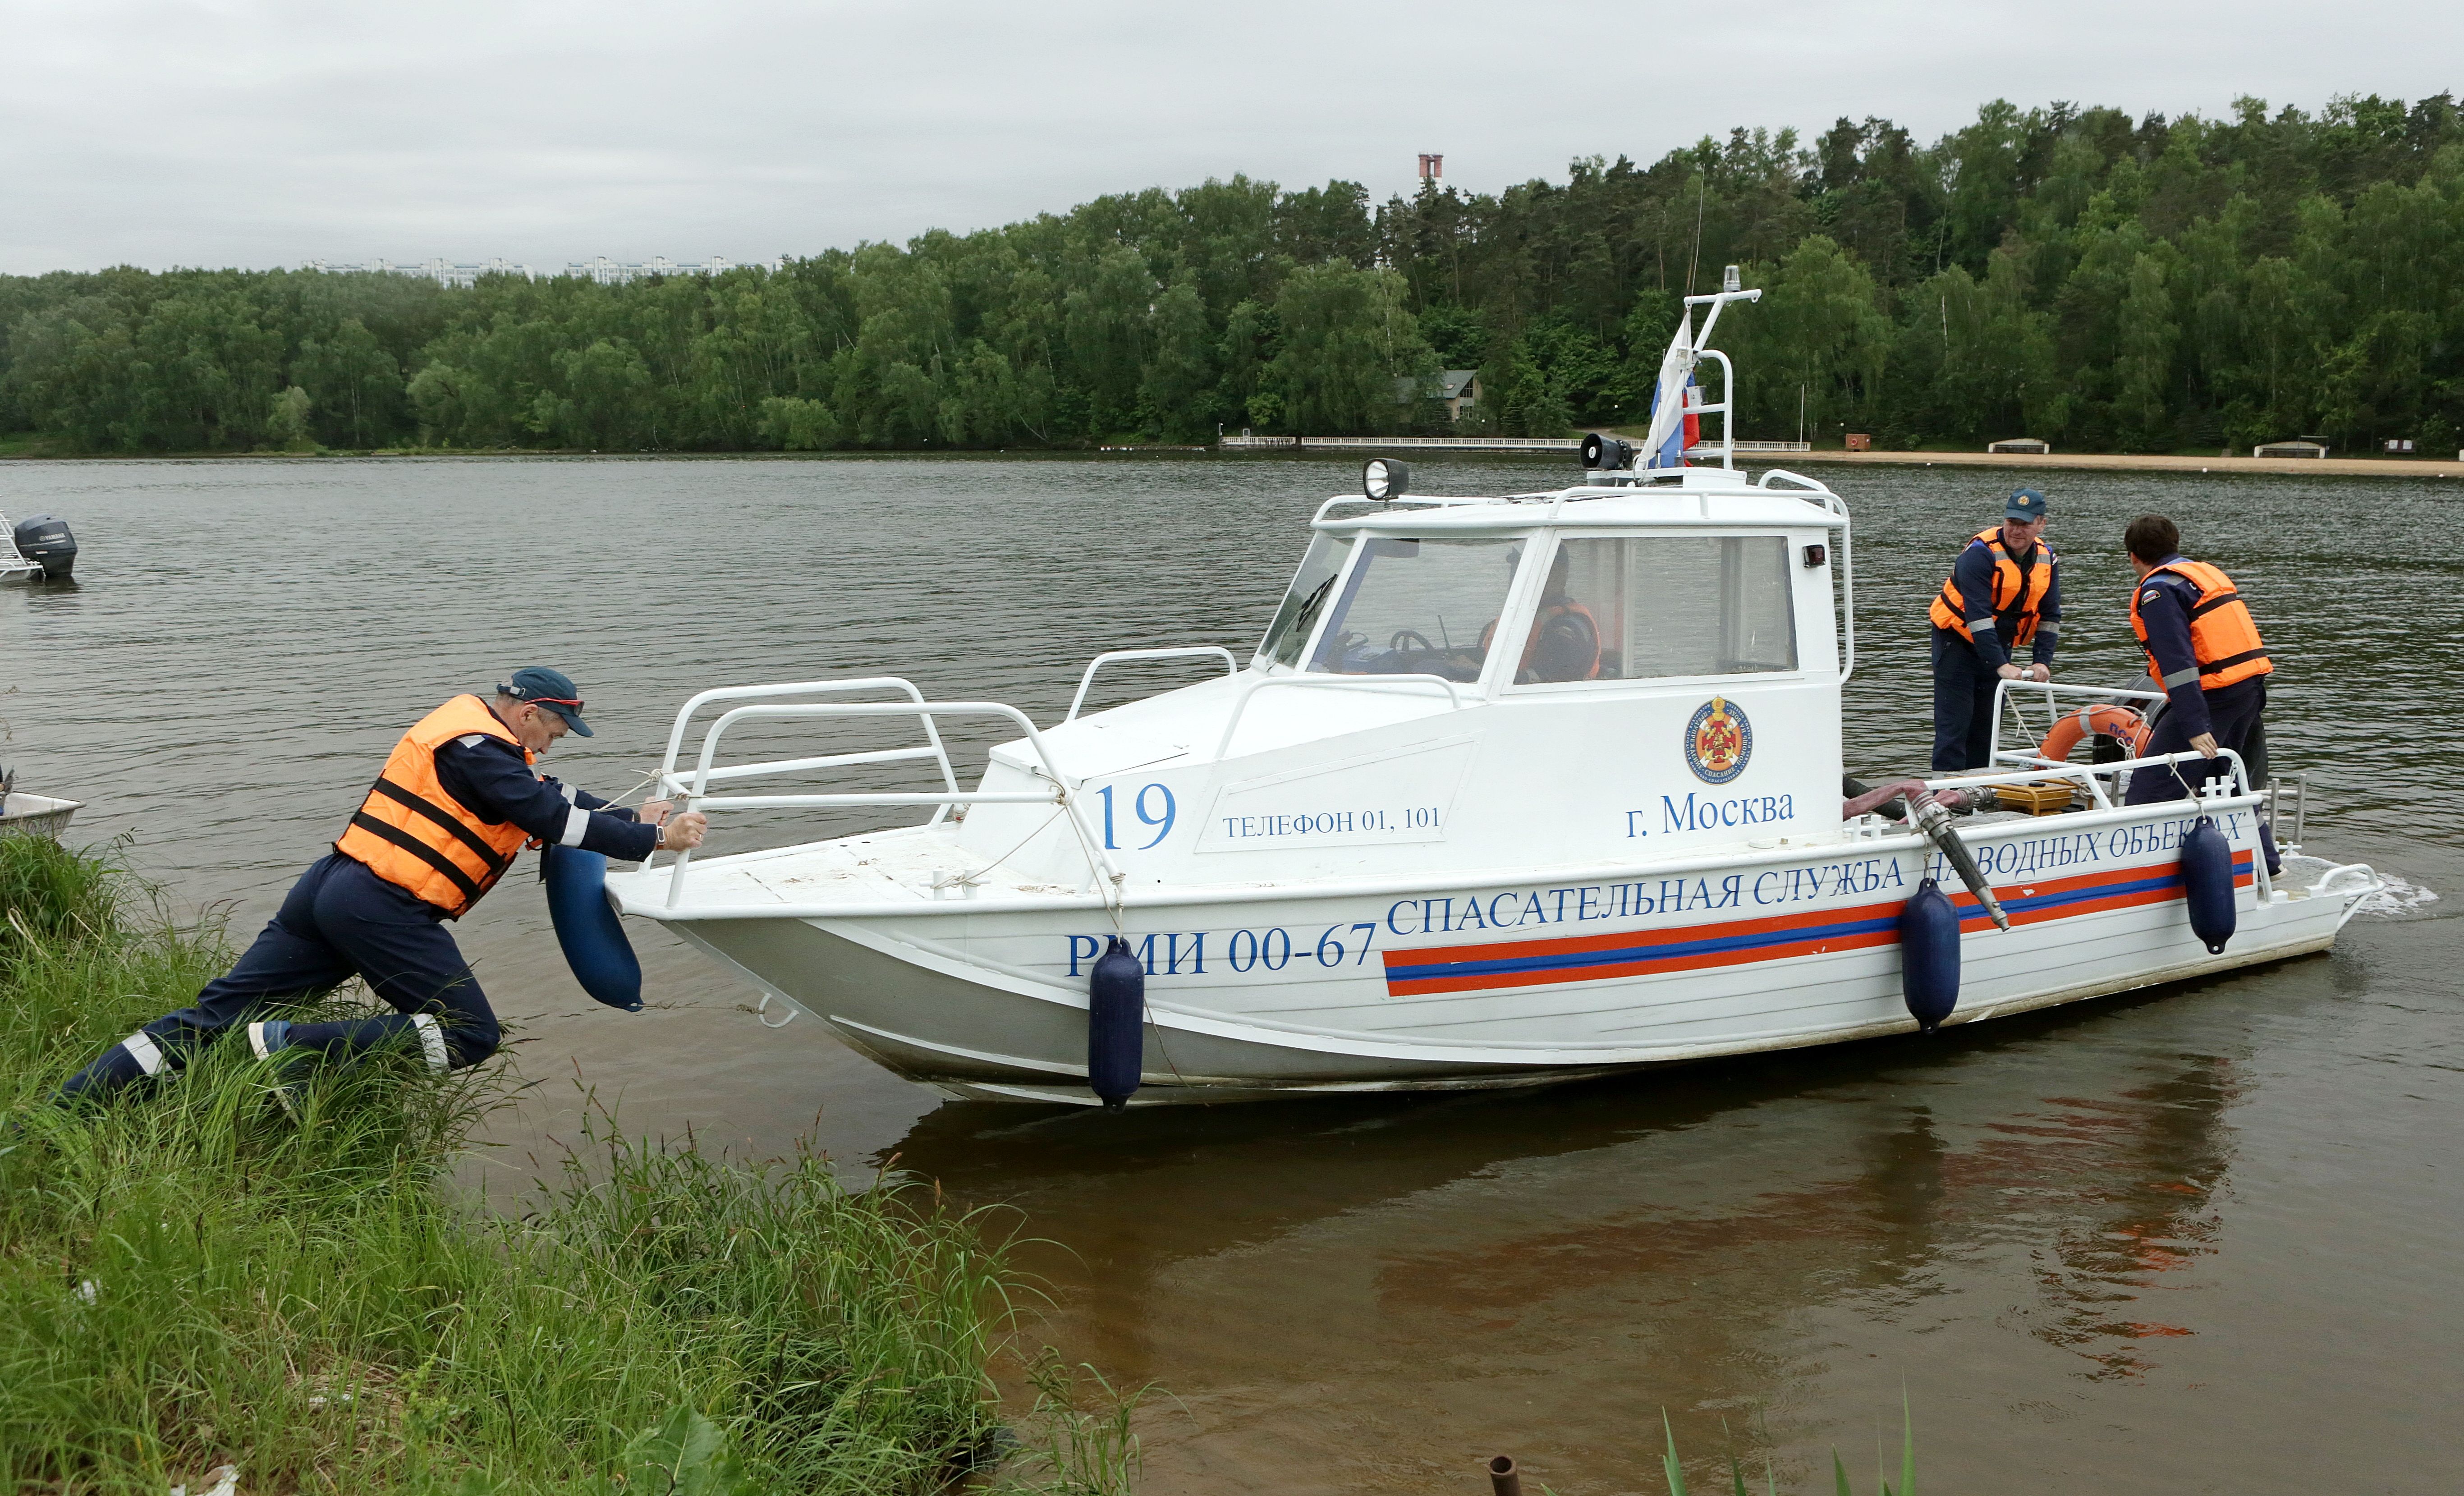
(2204, 653)
(457, 800)
(2005, 594)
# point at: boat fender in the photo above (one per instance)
(2208, 885)
(1929, 956)
(1116, 1015)
(587, 927)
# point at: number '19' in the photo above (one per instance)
(1139, 806)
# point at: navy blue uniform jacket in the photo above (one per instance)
(1974, 574)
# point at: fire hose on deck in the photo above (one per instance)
(1931, 815)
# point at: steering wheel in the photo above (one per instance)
(1410, 641)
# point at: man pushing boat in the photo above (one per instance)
(459, 798)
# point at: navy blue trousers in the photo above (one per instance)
(338, 921)
(2233, 717)
(1962, 705)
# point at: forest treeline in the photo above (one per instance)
(2101, 282)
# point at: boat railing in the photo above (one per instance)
(13, 562)
(934, 749)
(1231, 666)
(693, 793)
(2006, 710)
(1376, 684)
(2090, 776)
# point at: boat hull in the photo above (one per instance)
(1506, 984)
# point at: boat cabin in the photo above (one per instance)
(1643, 665)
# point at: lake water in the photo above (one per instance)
(2201, 1239)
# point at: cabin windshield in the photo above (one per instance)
(1305, 602)
(1413, 606)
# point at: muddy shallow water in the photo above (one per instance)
(2204, 1239)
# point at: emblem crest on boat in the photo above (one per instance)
(1718, 741)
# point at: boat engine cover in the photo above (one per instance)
(45, 541)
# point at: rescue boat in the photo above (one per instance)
(1512, 790)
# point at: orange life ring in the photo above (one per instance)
(2112, 721)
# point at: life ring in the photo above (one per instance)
(2111, 721)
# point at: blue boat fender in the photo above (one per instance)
(2208, 885)
(1930, 955)
(587, 927)
(1116, 1014)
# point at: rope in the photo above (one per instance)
(977, 875)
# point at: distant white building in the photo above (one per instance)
(602, 270)
(617, 273)
(444, 271)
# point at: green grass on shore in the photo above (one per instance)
(197, 1277)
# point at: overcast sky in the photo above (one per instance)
(262, 134)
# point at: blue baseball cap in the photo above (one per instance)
(2025, 503)
(553, 690)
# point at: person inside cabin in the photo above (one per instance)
(2004, 594)
(2204, 653)
(458, 798)
(1565, 639)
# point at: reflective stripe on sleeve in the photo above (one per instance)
(431, 1040)
(143, 1048)
(1982, 626)
(578, 821)
(2180, 677)
(567, 790)
(2049, 626)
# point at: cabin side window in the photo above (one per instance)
(1646, 606)
(1418, 607)
(1305, 602)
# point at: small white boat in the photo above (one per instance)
(1383, 855)
(13, 564)
(36, 815)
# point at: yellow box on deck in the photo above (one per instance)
(2037, 800)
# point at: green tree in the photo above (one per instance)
(1347, 339)
(357, 386)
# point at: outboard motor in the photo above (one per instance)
(46, 541)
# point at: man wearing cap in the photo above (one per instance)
(457, 800)
(2005, 594)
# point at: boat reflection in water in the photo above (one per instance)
(1365, 1292)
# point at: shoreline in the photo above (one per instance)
(2118, 462)
(2105, 462)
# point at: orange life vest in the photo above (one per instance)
(1950, 610)
(413, 834)
(1540, 620)
(2224, 638)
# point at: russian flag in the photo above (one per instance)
(1674, 424)
(1685, 435)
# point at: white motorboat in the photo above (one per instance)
(36, 815)
(15, 565)
(1382, 853)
